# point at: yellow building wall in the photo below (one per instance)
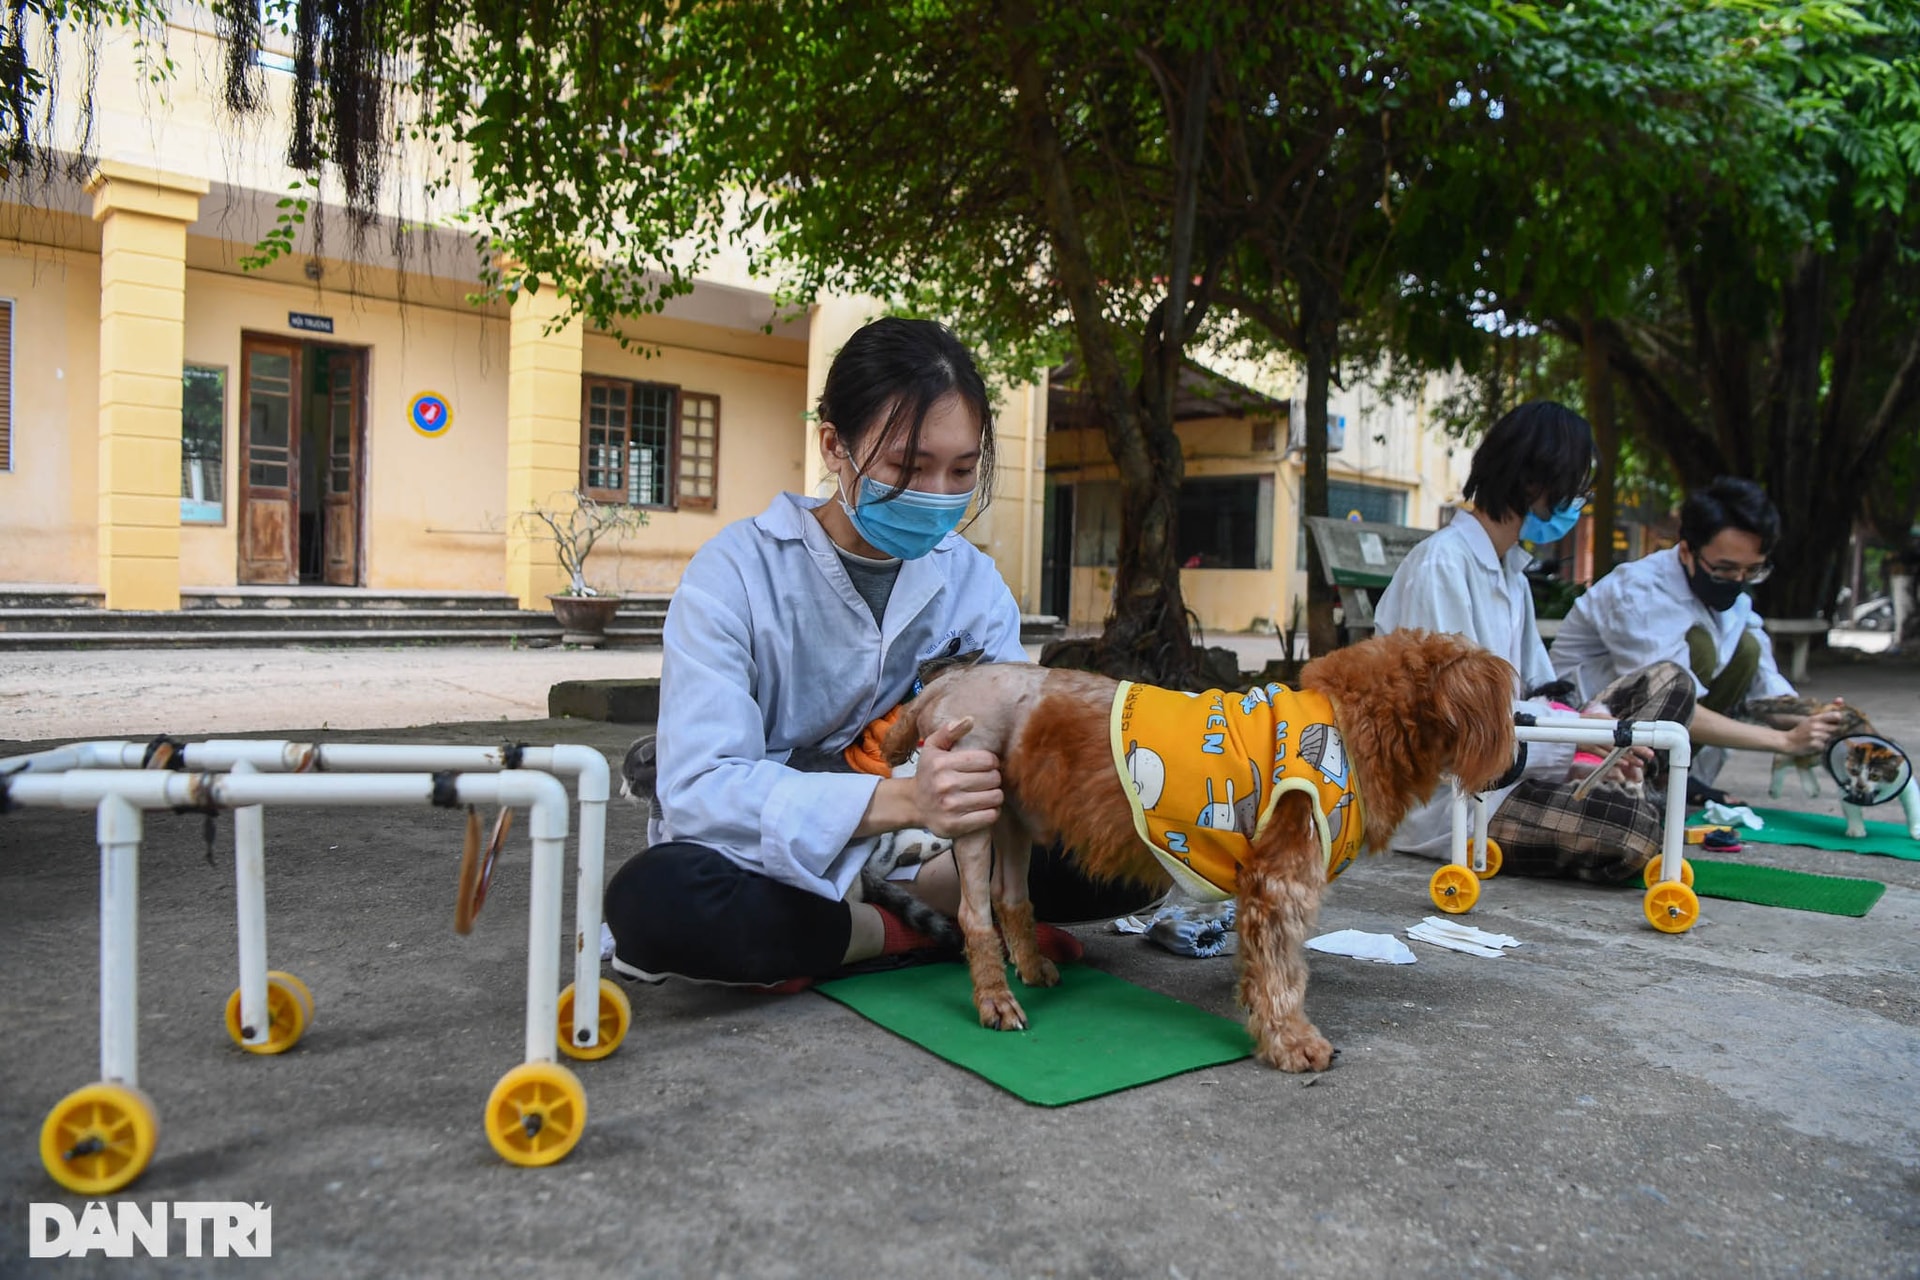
(1010, 528)
(762, 390)
(49, 504)
(1229, 599)
(432, 509)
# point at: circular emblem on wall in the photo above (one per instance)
(430, 414)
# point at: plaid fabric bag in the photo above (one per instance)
(1610, 834)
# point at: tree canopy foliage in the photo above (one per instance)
(1752, 290)
(1714, 197)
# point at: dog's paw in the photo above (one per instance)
(999, 1011)
(915, 845)
(1302, 1050)
(1041, 972)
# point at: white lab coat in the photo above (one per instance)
(1454, 581)
(769, 648)
(1639, 615)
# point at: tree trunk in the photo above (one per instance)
(1319, 327)
(1813, 525)
(1606, 438)
(1146, 635)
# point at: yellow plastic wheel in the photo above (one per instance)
(1651, 876)
(536, 1113)
(99, 1138)
(299, 988)
(1493, 861)
(1454, 889)
(616, 1015)
(289, 1006)
(1671, 907)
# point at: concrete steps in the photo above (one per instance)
(59, 617)
(72, 617)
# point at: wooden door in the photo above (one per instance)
(270, 461)
(340, 520)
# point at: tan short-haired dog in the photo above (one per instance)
(1405, 710)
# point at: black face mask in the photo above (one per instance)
(1715, 594)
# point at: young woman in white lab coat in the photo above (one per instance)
(789, 634)
(1528, 483)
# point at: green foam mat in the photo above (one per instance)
(1093, 1034)
(1826, 831)
(1777, 887)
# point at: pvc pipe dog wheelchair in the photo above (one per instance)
(1670, 905)
(99, 1138)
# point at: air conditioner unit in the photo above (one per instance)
(1297, 429)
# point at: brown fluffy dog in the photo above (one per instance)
(1411, 706)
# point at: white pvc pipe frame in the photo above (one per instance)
(1669, 736)
(585, 764)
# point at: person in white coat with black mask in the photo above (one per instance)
(1688, 605)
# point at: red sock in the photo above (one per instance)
(898, 938)
(790, 987)
(1057, 945)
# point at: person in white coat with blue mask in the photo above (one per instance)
(789, 634)
(1529, 483)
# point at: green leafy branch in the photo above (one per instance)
(279, 240)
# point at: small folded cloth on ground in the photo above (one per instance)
(1186, 927)
(1382, 948)
(1461, 937)
(1728, 814)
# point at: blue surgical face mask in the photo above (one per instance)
(911, 523)
(1554, 527)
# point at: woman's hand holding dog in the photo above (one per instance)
(951, 793)
(956, 791)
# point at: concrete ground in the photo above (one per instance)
(1606, 1100)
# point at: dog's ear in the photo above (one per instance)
(939, 663)
(1471, 698)
(640, 770)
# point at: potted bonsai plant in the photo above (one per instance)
(574, 529)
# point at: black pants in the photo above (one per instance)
(684, 909)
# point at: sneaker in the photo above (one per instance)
(633, 973)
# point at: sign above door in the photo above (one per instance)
(308, 322)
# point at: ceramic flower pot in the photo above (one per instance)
(583, 619)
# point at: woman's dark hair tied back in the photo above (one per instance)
(886, 378)
(1539, 450)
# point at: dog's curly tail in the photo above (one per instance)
(904, 737)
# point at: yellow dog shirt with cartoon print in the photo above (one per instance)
(1204, 770)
